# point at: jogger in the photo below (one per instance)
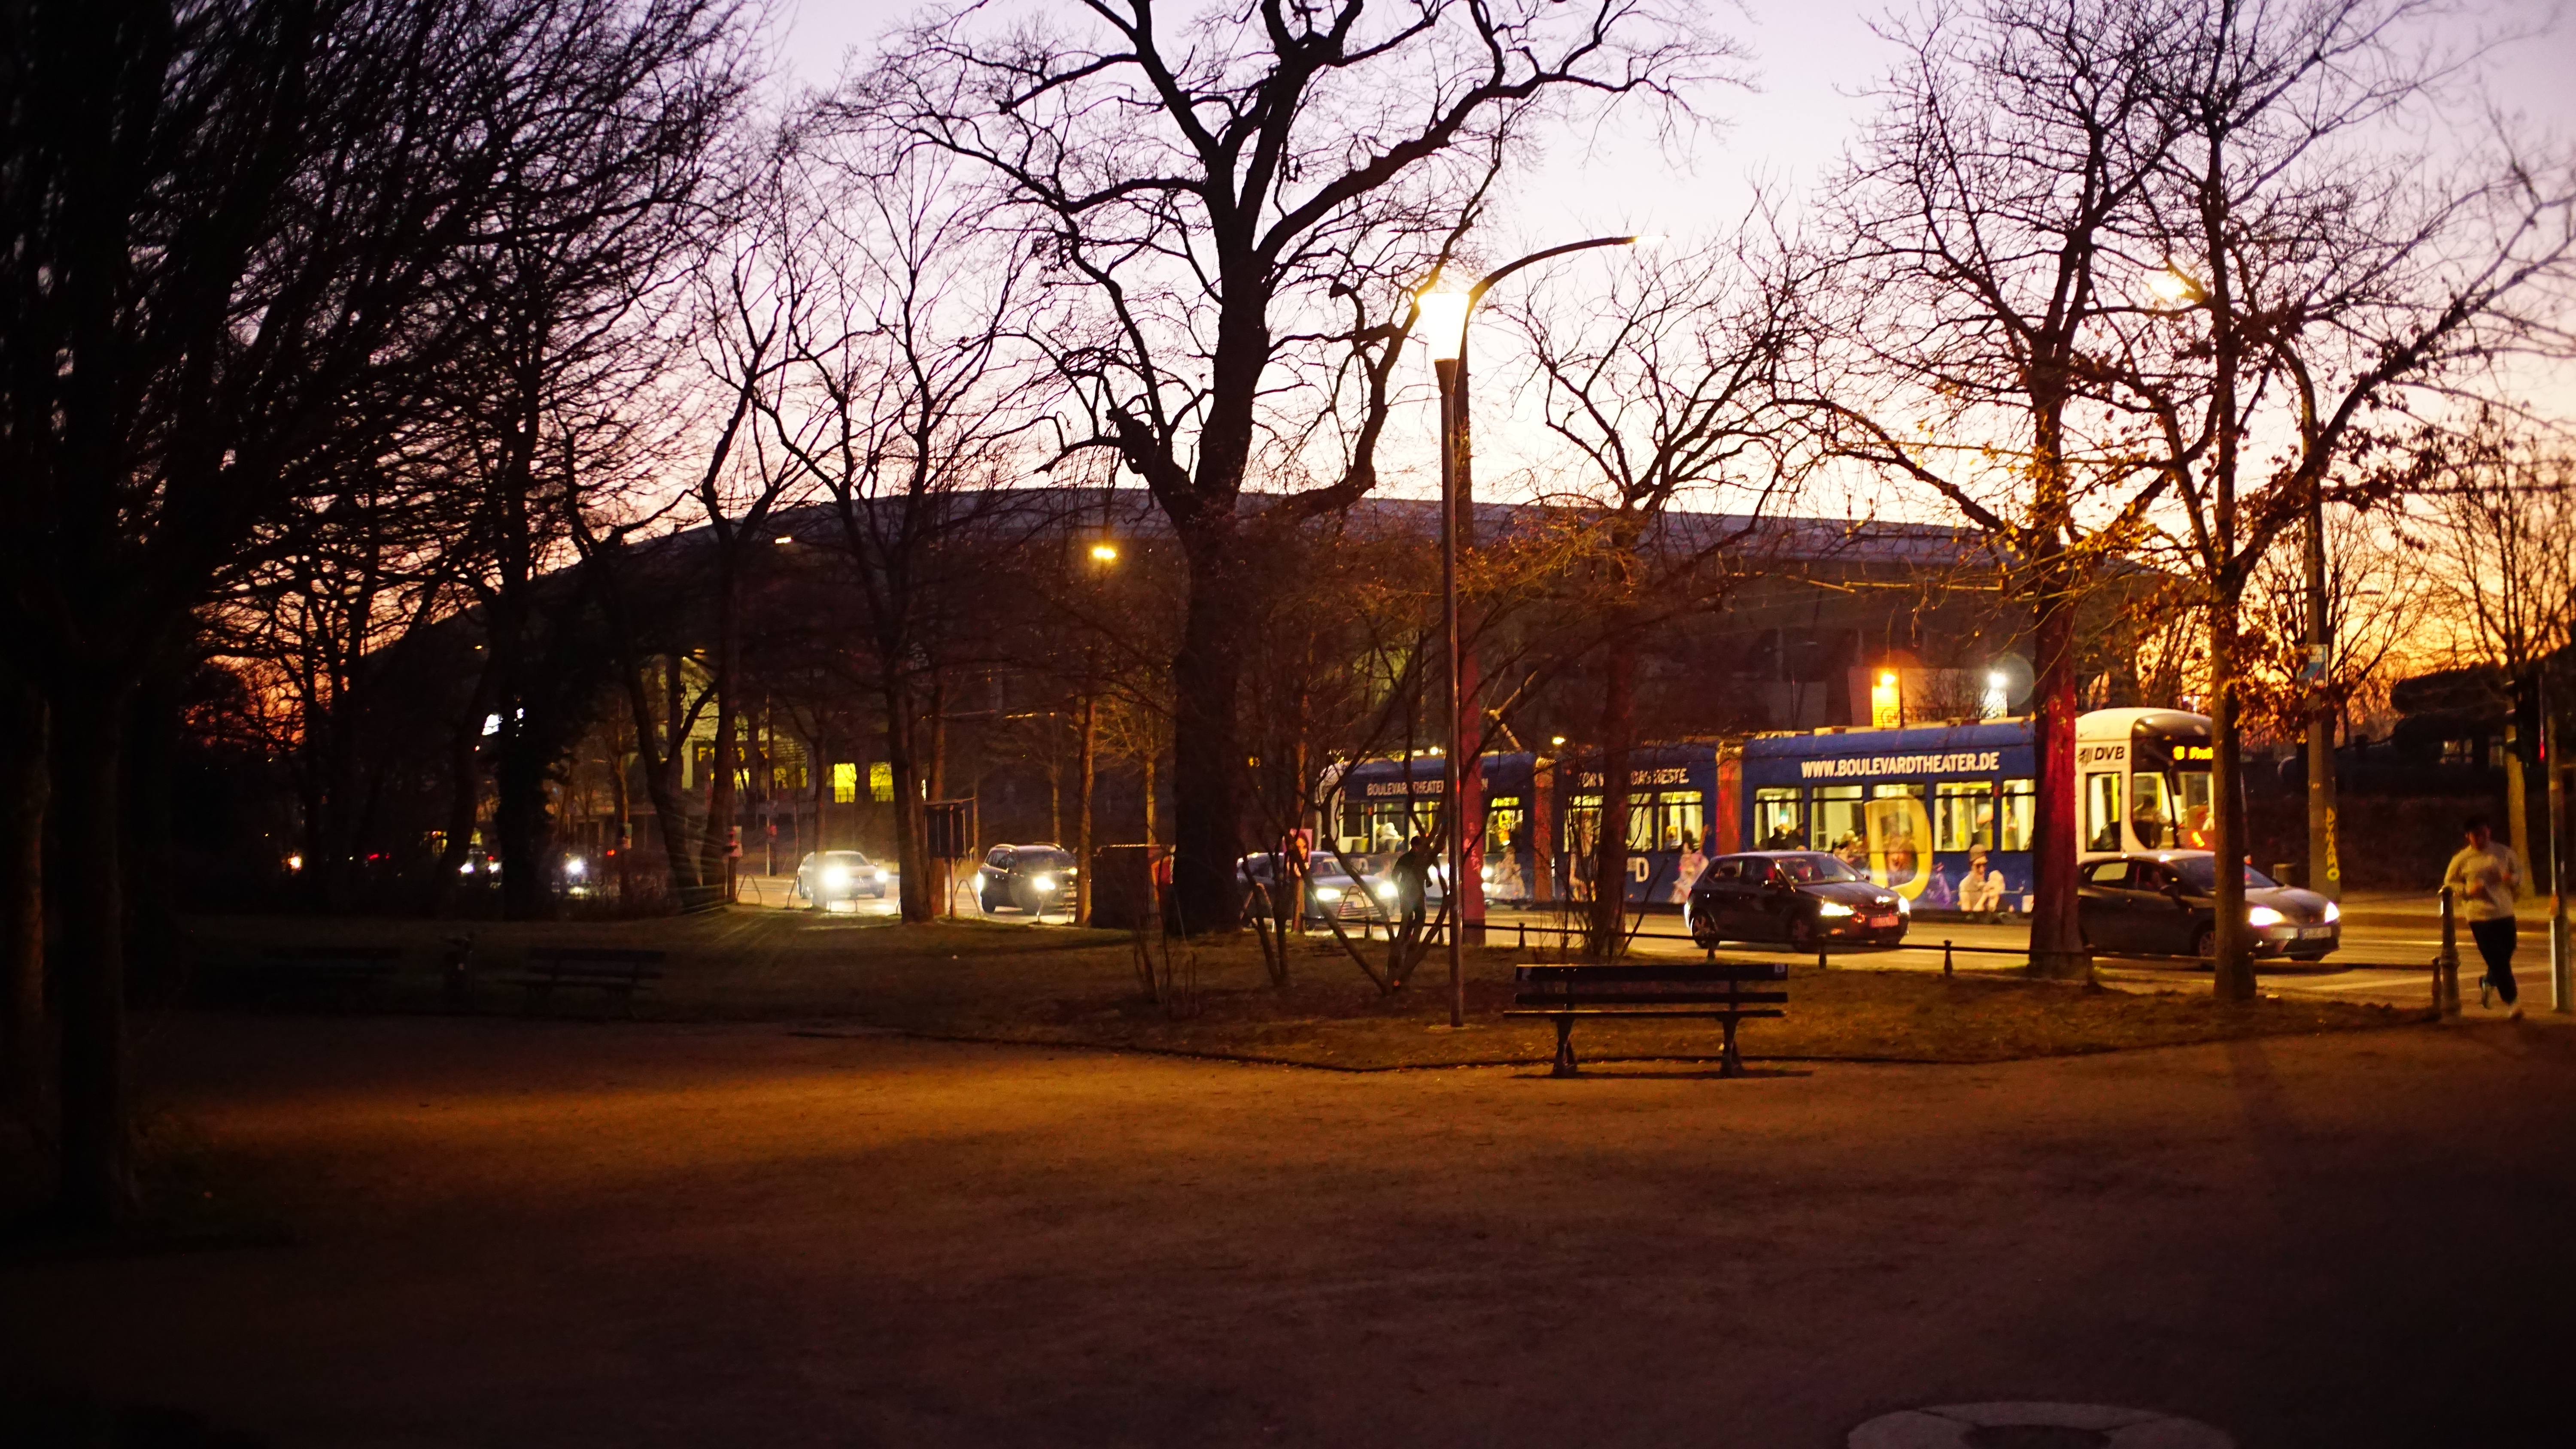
(2484, 878)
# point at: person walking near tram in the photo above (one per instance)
(2485, 878)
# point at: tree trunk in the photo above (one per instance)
(2233, 976)
(1207, 756)
(2325, 862)
(146, 850)
(96, 1183)
(715, 858)
(465, 784)
(22, 906)
(917, 895)
(1610, 848)
(523, 820)
(1087, 768)
(2057, 950)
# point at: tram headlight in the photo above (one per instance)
(2262, 916)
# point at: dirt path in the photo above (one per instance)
(540, 1234)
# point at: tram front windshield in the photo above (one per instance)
(2170, 808)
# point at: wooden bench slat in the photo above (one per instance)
(1694, 1013)
(1674, 971)
(592, 953)
(1647, 998)
(298, 954)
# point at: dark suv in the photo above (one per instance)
(1032, 878)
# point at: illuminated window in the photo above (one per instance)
(845, 784)
(2020, 800)
(1963, 815)
(881, 782)
(1778, 822)
(1886, 701)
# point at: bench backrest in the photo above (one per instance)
(1673, 983)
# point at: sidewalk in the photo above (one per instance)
(2424, 909)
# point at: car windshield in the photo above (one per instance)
(2200, 872)
(1815, 868)
(844, 857)
(1041, 858)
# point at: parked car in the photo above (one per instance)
(1032, 878)
(827, 876)
(1799, 897)
(2165, 904)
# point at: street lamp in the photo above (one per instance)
(1441, 318)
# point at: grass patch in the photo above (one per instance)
(1054, 985)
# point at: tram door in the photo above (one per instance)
(2102, 812)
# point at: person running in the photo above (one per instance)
(2485, 878)
(1412, 872)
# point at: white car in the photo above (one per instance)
(828, 876)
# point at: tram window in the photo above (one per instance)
(1838, 818)
(1963, 815)
(1679, 818)
(2196, 828)
(2013, 829)
(2151, 811)
(1582, 824)
(2102, 812)
(1503, 815)
(1777, 822)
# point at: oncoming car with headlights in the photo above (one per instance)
(1800, 897)
(827, 877)
(1032, 878)
(2165, 903)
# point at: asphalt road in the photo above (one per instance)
(2388, 943)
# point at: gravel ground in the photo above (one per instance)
(534, 1233)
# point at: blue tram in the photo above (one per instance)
(1377, 805)
(1941, 814)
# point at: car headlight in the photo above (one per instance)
(1042, 882)
(1904, 907)
(2333, 912)
(1386, 890)
(574, 867)
(835, 877)
(1485, 872)
(2262, 916)
(1328, 893)
(1832, 908)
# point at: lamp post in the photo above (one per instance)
(1443, 319)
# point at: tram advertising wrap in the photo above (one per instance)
(1941, 815)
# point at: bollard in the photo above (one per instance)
(1820, 955)
(1945, 958)
(1523, 928)
(2446, 966)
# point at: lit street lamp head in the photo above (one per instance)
(1442, 323)
(1104, 553)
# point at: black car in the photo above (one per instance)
(1032, 878)
(827, 876)
(2165, 904)
(1797, 896)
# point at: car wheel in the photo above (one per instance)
(1703, 935)
(1802, 933)
(2204, 942)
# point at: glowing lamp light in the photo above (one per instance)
(1557, 740)
(1443, 323)
(1104, 553)
(295, 862)
(2170, 286)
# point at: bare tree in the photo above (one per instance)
(1242, 204)
(907, 389)
(1981, 225)
(230, 223)
(1667, 384)
(2321, 281)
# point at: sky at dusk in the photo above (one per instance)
(1809, 66)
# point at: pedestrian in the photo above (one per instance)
(2485, 878)
(1412, 871)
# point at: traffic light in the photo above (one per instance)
(2526, 731)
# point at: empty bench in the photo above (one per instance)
(1727, 992)
(616, 972)
(320, 969)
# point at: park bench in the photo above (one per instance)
(319, 970)
(1698, 989)
(617, 972)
